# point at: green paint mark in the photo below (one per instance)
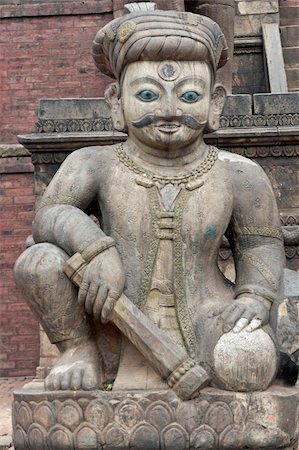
(210, 232)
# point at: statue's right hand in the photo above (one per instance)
(102, 284)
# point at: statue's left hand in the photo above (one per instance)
(102, 284)
(245, 313)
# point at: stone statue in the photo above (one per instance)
(165, 200)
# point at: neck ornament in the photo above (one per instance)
(153, 178)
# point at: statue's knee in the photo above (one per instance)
(38, 261)
(245, 361)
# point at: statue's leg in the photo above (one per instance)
(53, 299)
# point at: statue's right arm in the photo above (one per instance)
(61, 218)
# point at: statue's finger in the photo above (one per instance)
(83, 292)
(228, 311)
(254, 324)
(99, 301)
(217, 311)
(240, 325)
(90, 298)
(234, 316)
(109, 304)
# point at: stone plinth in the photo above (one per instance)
(154, 420)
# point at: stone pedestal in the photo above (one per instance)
(154, 420)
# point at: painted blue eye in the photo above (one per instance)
(190, 97)
(147, 95)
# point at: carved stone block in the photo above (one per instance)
(238, 105)
(287, 103)
(251, 25)
(154, 419)
(257, 7)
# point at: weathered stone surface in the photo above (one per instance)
(240, 104)
(154, 420)
(77, 108)
(6, 443)
(288, 314)
(276, 103)
(251, 25)
(256, 7)
(12, 150)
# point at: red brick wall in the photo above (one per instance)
(45, 51)
(44, 54)
(19, 332)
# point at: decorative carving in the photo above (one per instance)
(73, 125)
(266, 151)
(291, 252)
(152, 420)
(289, 220)
(261, 231)
(259, 120)
(105, 123)
(70, 415)
(48, 158)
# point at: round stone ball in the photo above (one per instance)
(245, 361)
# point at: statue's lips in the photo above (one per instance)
(168, 128)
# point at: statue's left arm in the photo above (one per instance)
(257, 243)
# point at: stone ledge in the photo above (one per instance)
(154, 419)
(287, 103)
(257, 7)
(12, 151)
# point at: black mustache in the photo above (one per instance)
(185, 119)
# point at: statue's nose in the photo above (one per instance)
(168, 109)
(169, 112)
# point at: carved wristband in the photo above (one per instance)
(74, 265)
(97, 247)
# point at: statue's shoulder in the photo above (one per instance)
(93, 156)
(243, 173)
(239, 165)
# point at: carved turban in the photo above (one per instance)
(156, 36)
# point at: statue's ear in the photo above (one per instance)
(217, 104)
(112, 97)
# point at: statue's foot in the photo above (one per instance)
(78, 368)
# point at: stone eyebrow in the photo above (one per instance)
(146, 80)
(191, 79)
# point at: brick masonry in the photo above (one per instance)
(19, 332)
(46, 56)
(45, 52)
